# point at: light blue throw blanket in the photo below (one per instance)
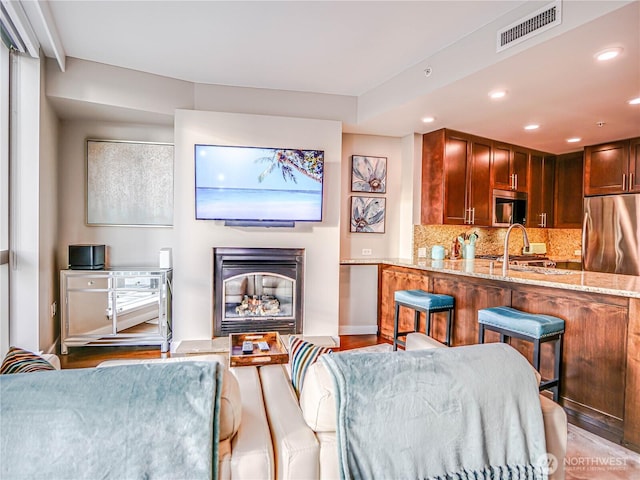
(446, 413)
(154, 421)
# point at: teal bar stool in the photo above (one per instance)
(421, 301)
(533, 327)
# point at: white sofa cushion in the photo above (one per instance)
(317, 399)
(252, 448)
(296, 448)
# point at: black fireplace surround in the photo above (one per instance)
(258, 290)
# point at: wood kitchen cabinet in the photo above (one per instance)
(456, 181)
(540, 198)
(634, 164)
(479, 183)
(470, 296)
(509, 167)
(612, 168)
(568, 204)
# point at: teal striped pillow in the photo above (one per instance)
(19, 360)
(301, 356)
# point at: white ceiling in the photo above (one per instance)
(377, 51)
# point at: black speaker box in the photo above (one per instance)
(86, 257)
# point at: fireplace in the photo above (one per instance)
(257, 290)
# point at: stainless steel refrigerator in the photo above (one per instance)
(610, 234)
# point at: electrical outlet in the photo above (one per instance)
(422, 252)
(577, 253)
(366, 251)
(54, 309)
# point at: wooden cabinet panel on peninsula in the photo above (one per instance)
(612, 168)
(509, 167)
(470, 296)
(390, 280)
(568, 204)
(456, 182)
(595, 353)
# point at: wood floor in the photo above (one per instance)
(588, 456)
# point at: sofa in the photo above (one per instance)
(268, 431)
(304, 430)
(72, 423)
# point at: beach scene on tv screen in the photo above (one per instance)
(248, 183)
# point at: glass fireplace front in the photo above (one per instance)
(257, 290)
(258, 294)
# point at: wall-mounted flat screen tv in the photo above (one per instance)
(255, 184)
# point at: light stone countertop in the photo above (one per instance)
(593, 282)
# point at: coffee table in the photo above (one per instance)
(277, 352)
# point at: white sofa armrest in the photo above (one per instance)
(52, 359)
(555, 433)
(420, 341)
(297, 450)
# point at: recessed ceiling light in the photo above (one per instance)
(496, 94)
(532, 126)
(608, 54)
(429, 119)
(573, 140)
(634, 101)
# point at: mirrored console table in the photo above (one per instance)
(117, 306)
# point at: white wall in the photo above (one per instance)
(126, 246)
(48, 219)
(385, 244)
(349, 293)
(194, 239)
(359, 283)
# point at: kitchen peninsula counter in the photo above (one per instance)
(601, 358)
(605, 283)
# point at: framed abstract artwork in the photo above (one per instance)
(129, 183)
(368, 214)
(368, 174)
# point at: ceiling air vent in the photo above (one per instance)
(547, 17)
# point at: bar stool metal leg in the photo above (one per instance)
(557, 368)
(427, 326)
(538, 329)
(449, 323)
(395, 327)
(536, 354)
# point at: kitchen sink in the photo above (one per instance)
(541, 270)
(545, 263)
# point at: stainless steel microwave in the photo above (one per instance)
(509, 207)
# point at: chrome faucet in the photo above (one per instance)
(505, 257)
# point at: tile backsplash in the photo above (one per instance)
(561, 243)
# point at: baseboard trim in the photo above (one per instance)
(358, 330)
